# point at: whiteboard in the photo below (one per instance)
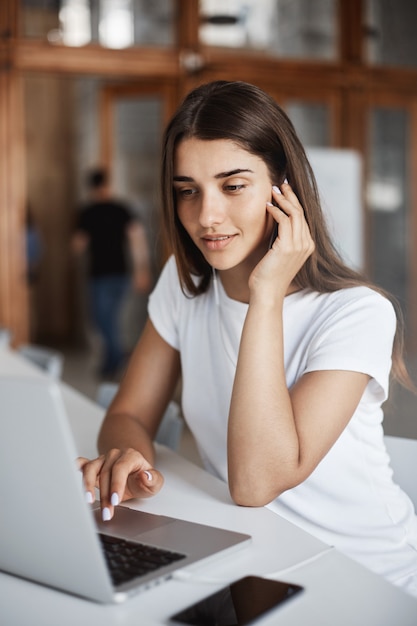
(339, 179)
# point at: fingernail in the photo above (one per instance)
(89, 497)
(285, 181)
(148, 474)
(269, 204)
(275, 188)
(114, 499)
(105, 514)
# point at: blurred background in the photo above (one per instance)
(93, 82)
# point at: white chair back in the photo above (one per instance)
(51, 361)
(5, 337)
(403, 454)
(171, 427)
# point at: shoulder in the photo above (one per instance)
(169, 270)
(170, 275)
(361, 298)
(356, 312)
(170, 292)
(168, 286)
(349, 329)
(164, 303)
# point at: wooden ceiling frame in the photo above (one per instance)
(344, 84)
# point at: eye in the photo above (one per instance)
(233, 188)
(186, 192)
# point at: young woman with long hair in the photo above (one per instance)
(284, 353)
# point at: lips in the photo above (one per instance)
(218, 242)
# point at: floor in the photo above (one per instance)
(80, 367)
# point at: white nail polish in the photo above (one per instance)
(148, 474)
(275, 188)
(105, 514)
(89, 497)
(114, 499)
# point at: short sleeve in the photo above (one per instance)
(163, 304)
(358, 336)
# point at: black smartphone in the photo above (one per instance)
(274, 235)
(238, 604)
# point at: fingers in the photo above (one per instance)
(91, 471)
(119, 475)
(286, 200)
(293, 227)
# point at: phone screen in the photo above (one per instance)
(238, 604)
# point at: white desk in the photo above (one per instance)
(337, 590)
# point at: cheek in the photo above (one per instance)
(185, 219)
(259, 224)
(256, 215)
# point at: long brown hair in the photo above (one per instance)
(249, 117)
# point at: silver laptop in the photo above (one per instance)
(50, 535)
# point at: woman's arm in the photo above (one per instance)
(276, 437)
(124, 468)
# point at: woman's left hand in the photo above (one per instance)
(291, 248)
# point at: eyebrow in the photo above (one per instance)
(188, 179)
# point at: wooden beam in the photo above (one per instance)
(13, 286)
(41, 56)
(9, 11)
(188, 21)
(351, 32)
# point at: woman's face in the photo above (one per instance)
(221, 194)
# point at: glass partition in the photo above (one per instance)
(138, 122)
(311, 121)
(110, 23)
(390, 32)
(136, 155)
(388, 201)
(285, 28)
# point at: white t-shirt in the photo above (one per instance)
(349, 500)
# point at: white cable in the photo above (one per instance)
(216, 287)
(292, 568)
(185, 575)
(188, 576)
(224, 339)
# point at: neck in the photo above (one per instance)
(235, 283)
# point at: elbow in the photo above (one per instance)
(252, 496)
(245, 491)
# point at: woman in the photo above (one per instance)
(284, 352)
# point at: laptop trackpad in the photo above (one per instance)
(129, 523)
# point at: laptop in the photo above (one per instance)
(50, 535)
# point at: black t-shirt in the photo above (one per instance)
(105, 223)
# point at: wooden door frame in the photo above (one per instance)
(111, 92)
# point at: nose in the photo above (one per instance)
(211, 209)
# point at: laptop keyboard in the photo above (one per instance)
(127, 559)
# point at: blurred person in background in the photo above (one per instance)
(117, 248)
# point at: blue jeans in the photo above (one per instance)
(107, 294)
